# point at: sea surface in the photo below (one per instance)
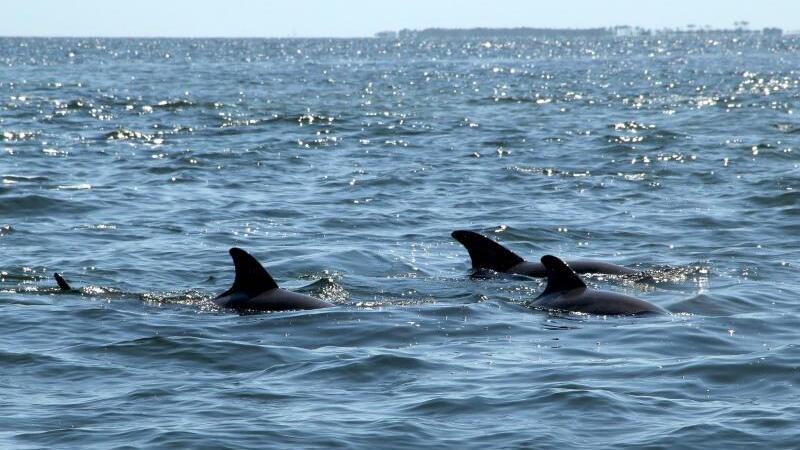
(132, 166)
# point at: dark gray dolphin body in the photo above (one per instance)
(254, 289)
(62, 283)
(566, 291)
(488, 254)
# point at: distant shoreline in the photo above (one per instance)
(481, 32)
(616, 31)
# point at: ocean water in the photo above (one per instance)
(132, 166)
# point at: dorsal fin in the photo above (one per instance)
(251, 277)
(559, 276)
(486, 253)
(62, 283)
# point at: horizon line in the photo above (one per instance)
(376, 35)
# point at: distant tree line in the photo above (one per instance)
(505, 32)
(526, 32)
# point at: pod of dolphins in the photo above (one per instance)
(254, 289)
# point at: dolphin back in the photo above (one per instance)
(279, 300)
(254, 289)
(566, 291)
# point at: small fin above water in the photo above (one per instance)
(486, 253)
(251, 277)
(560, 277)
(62, 283)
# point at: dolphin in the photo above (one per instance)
(62, 283)
(254, 289)
(565, 291)
(488, 254)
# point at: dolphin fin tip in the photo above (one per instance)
(62, 283)
(560, 277)
(251, 276)
(486, 253)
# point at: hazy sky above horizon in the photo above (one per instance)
(352, 18)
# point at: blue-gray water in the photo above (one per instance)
(343, 165)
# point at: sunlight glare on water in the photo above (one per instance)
(132, 166)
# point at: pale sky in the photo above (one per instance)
(355, 18)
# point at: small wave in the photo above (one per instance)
(76, 104)
(228, 122)
(788, 128)
(648, 136)
(630, 125)
(546, 171)
(123, 134)
(188, 298)
(669, 274)
(13, 179)
(173, 104)
(372, 367)
(19, 274)
(75, 187)
(241, 357)
(12, 206)
(12, 136)
(328, 289)
(25, 359)
(789, 199)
